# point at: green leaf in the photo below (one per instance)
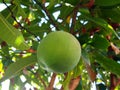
(98, 40)
(84, 38)
(52, 2)
(11, 35)
(79, 87)
(72, 2)
(64, 11)
(107, 2)
(78, 69)
(107, 63)
(20, 10)
(14, 68)
(7, 14)
(101, 22)
(85, 57)
(112, 13)
(5, 50)
(67, 80)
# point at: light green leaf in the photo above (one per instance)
(78, 69)
(67, 80)
(11, 35)
(14, 68)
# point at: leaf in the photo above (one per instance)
(107, 2)
(85, 57)
(11, 35)
(78, 69)
(109, 64)
(112, 13)
(52, 2)
(101, 22)
(85, 38)
(67, 80)
(20, 10)
(7, 14)
(72, 2)
(97, 40)
(89, 69)
(65, 11)
(14, 68)
(79, 87)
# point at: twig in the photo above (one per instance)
(73, 21)
(74, 13)
(40, 79)
(37, 75)
(115, 48)
(113, 80)
(47, 13)
(65, 74)
(50, 87)
(74, 83)
(92, 74)
(89, 4)
(21, 27)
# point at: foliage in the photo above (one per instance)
(95, 23)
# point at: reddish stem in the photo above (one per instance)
(50, 87)
(113, 81)
(89, 4)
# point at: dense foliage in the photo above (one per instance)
(95, 23)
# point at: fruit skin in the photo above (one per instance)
(58, 52)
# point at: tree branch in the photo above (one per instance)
(74, 83)
(50, 87)
(73, 21)
(115, 48)
(92, 74)
(42, 81)
(47, 13)
(38, 76)
(89, 4)
(74, 12)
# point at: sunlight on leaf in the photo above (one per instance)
(1, 69)
(11, 35)
(18, 40)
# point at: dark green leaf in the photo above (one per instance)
(107, 2)
(109, 64)
(79, 87)
(84, 38)
(64, 11)
(101, 22)
(72, 2)
(112, 13)
(100, 42)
